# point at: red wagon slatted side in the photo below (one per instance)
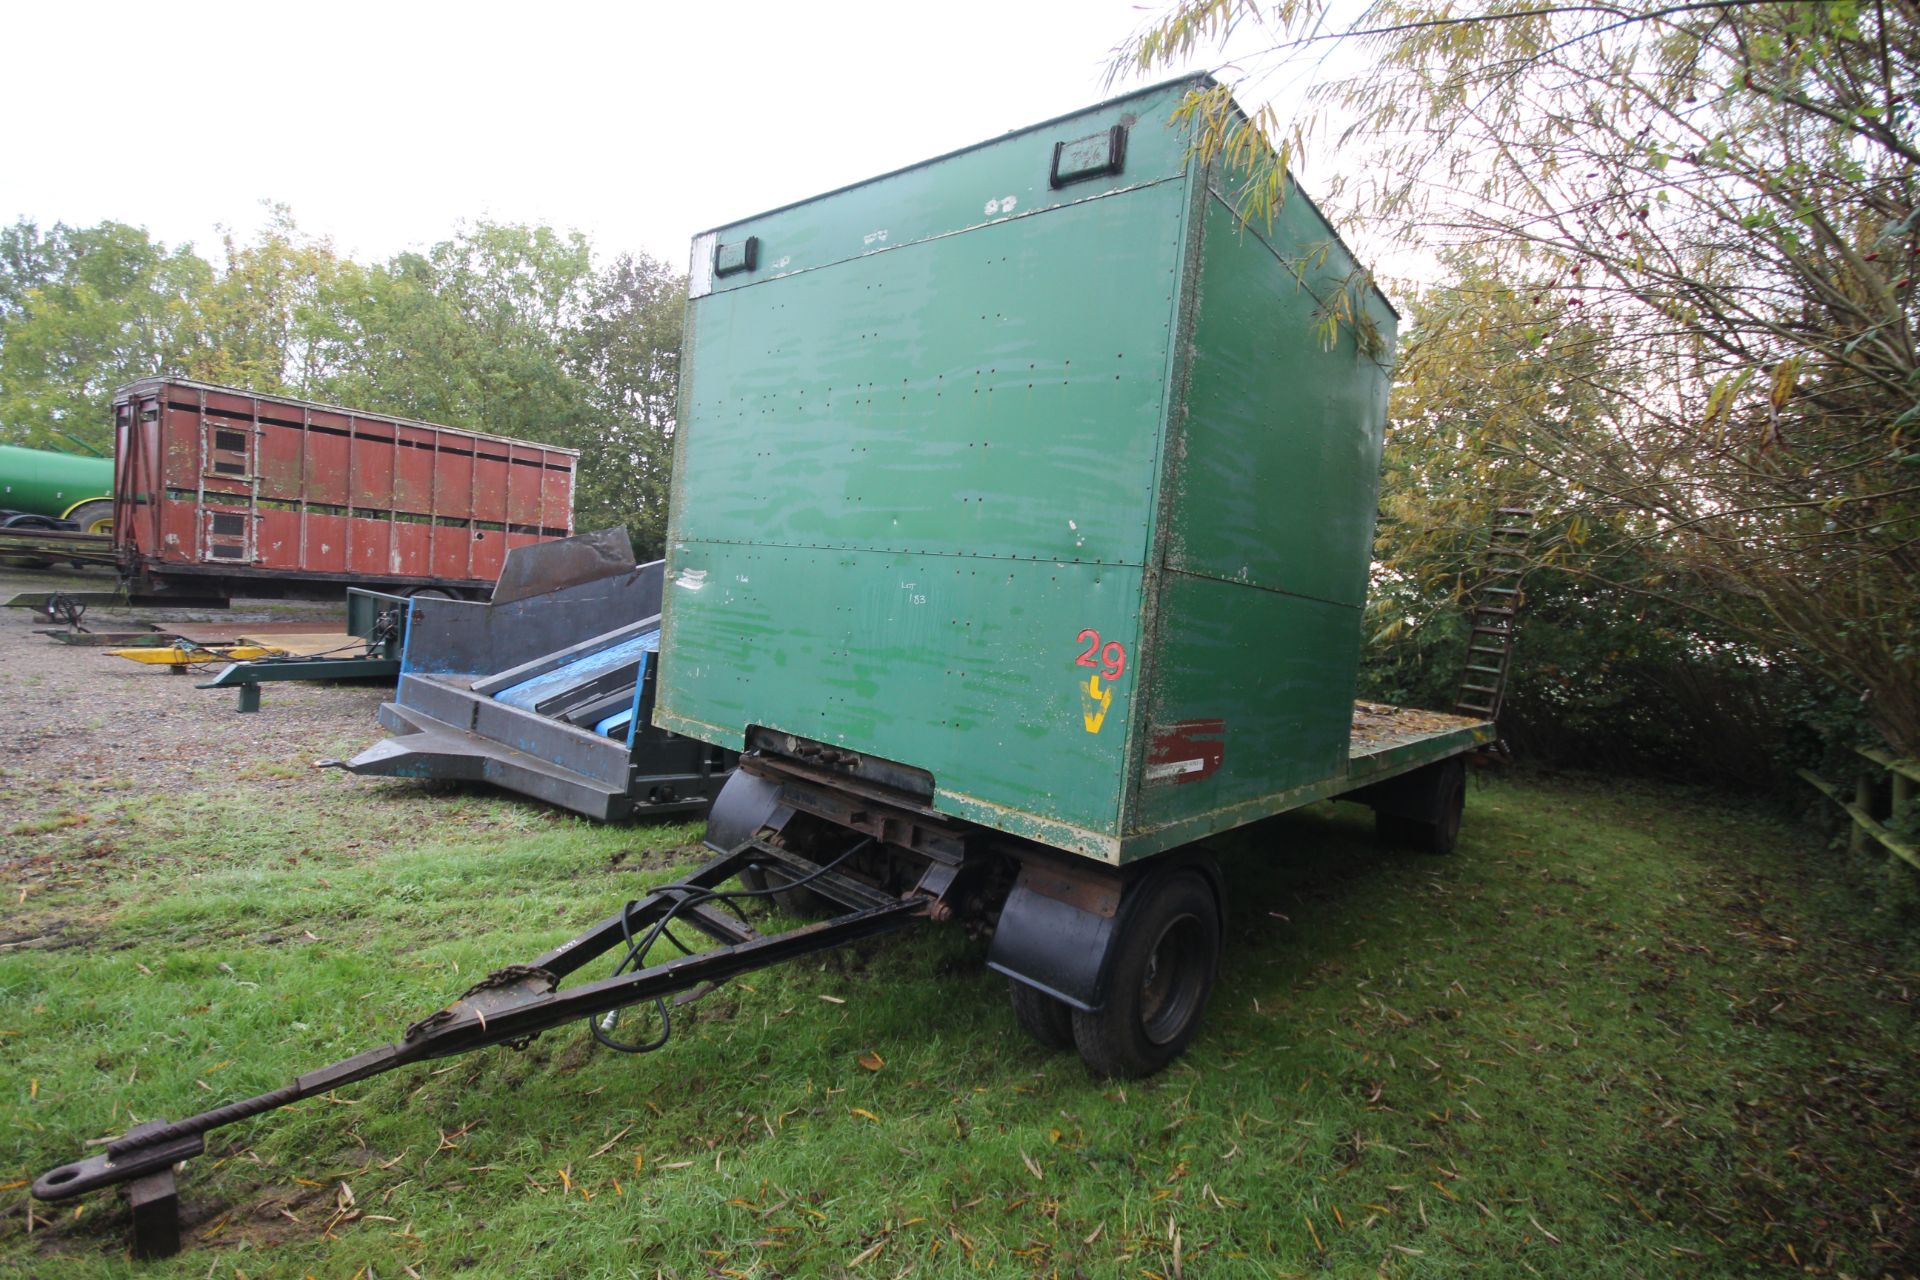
(213, 479)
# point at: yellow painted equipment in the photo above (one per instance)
(175, 655)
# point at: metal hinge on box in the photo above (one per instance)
(1093, 156)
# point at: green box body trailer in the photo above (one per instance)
(1022, 509)
(1030, 469)
(1033, 489)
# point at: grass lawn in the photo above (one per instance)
(1623, 1032)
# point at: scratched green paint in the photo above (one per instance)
(997, 393)
(925, 446)
(1272, 488)
(1280, 443)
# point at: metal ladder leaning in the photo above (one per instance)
(1483, 682)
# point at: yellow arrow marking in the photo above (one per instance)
(1103, 698)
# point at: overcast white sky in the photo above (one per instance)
(384, 125)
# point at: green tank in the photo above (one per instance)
(1038, 471)
(65, 486)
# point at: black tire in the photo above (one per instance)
(1436, 829)
(1442, 836)
(1164, 964)
(1045, 1018)
(1398, 831)
(95, 516)
(803, 904)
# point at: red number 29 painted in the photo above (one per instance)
(1111, 658)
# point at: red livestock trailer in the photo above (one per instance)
(218, 491)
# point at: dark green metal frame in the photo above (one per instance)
(381, 661)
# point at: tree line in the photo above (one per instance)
(512, 329)
(1677, 318)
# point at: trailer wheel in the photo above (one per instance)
(1046, 1018)
(1163, 969)
(95, 516)
(1437, 830)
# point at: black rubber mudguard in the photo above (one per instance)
(743, 807)
(1056, 933)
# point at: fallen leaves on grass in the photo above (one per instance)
(608, 1144)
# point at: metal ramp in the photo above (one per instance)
(547, 690)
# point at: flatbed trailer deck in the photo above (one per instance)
(56, 548)
(1388, 740)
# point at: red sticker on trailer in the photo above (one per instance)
(1187, 751)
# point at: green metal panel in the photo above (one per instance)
(960, 665)
(1270, 492)
(1004, 180)
(1255, 685)
(1279, 470)
(912, 472)
(925, 505)
(997, 393)
(49, 483)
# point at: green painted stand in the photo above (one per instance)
(247, 677)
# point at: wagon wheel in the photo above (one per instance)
(1047, 1019)
(1443, 835)
(1164, 963)
(93, 517)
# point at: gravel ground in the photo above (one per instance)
(79, 721)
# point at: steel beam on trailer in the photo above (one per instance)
(38, 600)
(247, 677)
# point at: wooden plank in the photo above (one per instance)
(307, 643)
(230, 631)
(1905, 768)
(1378, 727)
(1864, 820)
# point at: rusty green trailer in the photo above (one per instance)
(1025, 498)
(1028, 468)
